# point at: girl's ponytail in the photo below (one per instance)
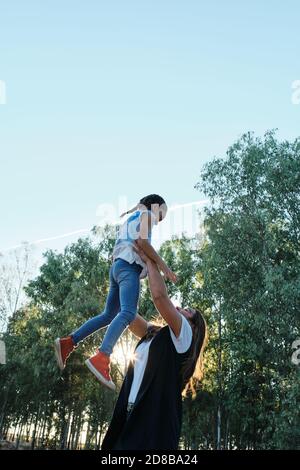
(130, 211)
(147, 202)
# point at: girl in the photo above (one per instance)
(122, 300)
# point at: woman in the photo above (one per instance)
(148, 412)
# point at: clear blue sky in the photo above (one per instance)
(110, 98)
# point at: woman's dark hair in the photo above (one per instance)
(192, 369)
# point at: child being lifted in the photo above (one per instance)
(125, 273)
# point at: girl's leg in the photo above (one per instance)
(112, 307)
(129, 289)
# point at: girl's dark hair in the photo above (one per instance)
(147, 202)
(151, 199)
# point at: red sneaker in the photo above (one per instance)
(99, 366)
(63, 348)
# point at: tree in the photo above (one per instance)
(251, 268)
(16, 268)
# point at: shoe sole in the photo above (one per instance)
(57, 349)
(99, 376)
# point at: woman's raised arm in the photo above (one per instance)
(162, 300)
(139, 326)
(160, 296)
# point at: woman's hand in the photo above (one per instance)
(168, 273)
(141, 253)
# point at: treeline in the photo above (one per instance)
(244, 273)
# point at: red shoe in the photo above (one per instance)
(63, 348)
(99, 366)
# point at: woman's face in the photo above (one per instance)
(188, 313)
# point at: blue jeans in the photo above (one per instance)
(121, 305)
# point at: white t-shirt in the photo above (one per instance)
(182, 344)
(128, 233)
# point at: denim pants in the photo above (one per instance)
(121, 305)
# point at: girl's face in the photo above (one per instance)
(161, 212)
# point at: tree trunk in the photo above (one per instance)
(35, 427)
(2, 415)
(87, 438)
(219, 413)
(65, 431)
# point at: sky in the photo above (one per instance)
(119, 99)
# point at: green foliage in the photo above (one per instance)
(251, 270)
(70, 289)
